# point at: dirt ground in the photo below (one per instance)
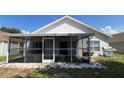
(14, 72)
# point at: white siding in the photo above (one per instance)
(103, 44)
(65, 28)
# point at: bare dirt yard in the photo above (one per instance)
(14, 72)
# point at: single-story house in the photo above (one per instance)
(4, 44)
(117, 42)
(64, 40)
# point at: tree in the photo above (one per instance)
(10, 30)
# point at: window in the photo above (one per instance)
(95, 45)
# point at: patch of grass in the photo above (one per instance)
(36, 75)
(18, 76)
(118, 58)
(2, 58)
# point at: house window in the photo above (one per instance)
(95, 45)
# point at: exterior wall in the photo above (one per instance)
(83, 44)
(103, 44)
(119, 46)
(64, 28)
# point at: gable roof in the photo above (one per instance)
(117, 37)
(73, 19)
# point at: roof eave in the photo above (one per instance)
(68, 34)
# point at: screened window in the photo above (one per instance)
(36, 47)
(95, 45)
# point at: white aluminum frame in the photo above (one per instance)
(71, 49)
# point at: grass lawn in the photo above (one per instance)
(115, 69)
(2, 58)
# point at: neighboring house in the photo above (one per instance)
(117, 42)
(64, 40)
(4, 44)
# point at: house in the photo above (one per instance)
(117, 42)
(64, 40)
(4, 44)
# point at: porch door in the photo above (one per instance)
(48, 50)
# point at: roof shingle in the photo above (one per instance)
(117, 37)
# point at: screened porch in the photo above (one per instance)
(50, 48)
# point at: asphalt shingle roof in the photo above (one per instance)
(117, 37)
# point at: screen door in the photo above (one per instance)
(48, 50)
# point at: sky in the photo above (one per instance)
(110, 24)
